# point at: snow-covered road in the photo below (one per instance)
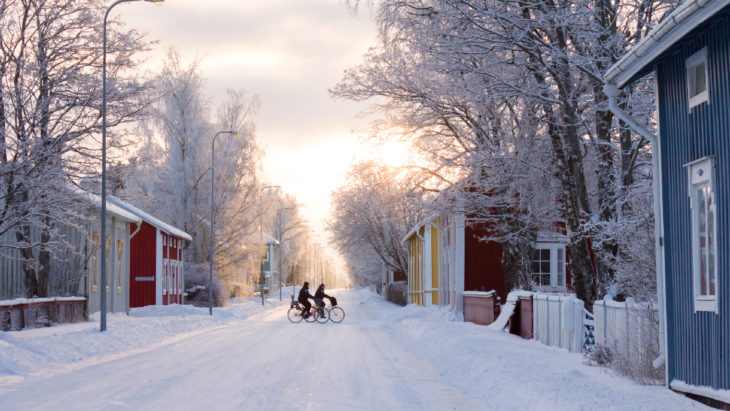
(381, 357)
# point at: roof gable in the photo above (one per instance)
(671, 30)
(174, 231)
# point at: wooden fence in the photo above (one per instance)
(558, 321)
(628, 328)
(41, 312)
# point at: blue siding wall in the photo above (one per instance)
(698, 343)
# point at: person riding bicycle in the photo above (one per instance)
(319, 295)
(303, 299)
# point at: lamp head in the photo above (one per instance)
(158, 2)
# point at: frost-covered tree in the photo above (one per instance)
(171, 172)
(373, 211)
(50, 100)
(471, 80)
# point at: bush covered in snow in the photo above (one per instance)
(639, 370)
(196, 286)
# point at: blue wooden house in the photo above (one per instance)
(689, 53)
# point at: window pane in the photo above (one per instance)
(536, 267)
(711, 274)
(561, 267)
(702, 211)
(545, 267)
(711, 247)
(545, 254)
(700, 80)
(703, 275)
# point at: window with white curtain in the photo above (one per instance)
(703, 211)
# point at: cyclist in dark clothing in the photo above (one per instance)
(319, 295)
(304, 297)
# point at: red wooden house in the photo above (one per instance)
(156, 260)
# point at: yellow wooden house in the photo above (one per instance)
(424, 262)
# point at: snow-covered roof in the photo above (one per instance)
(417, 227)
(151, 220)
(95, 200)
(672, 29)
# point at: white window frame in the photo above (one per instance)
(554, 265)
(693, 61)
(701, 173)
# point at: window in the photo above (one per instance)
(541, 266)
(696, 66)
(95, 262)
(120, 254)
(703, 212)
(108, 262)
(548, 266)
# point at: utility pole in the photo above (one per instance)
(281, 244)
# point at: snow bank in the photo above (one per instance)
(33, 351)
(719, 395)
(18, 301)
(504, 371)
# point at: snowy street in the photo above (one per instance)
(381, 357)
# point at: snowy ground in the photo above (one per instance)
(248, 356)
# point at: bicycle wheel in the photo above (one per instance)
(311, 317)
(336, 314)
(294, 315)
(322, 316)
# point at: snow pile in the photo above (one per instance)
(509, 372)
(33, 351)
(248, 356)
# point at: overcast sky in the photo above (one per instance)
(289, 52)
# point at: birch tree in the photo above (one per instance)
(50, 98)
(373, 211)
(475, 77)
(171, 171)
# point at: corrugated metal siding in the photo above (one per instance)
(698, 343)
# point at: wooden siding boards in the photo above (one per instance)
(435, 263)
(698, 344)
(143, 271)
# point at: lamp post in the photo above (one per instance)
(281, 239)
(102, 291)
(261, 239)
(294, 277)
(212, 232)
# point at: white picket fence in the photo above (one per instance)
(628, 328)
(558, 321)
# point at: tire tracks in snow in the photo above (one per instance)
(425, 387)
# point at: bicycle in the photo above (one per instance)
(295, 313)
(335, 313)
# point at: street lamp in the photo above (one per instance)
(281, 239)
(212, 232)
(294, 277)
(261, 239)
(102, 292)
